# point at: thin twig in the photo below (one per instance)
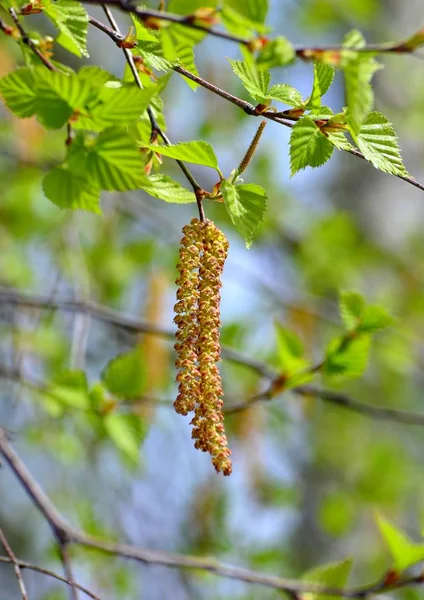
(15, 562)
(37, 569)
(170, 559)
(66, 561)
(154, 124)
(250, 110)
(145, 14)
(122, 320)
(28, 41)
(190, 21)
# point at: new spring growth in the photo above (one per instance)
(203, 252)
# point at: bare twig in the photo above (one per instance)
(121, 320)
(170, 559)
(66, 561)
(28, 41)
(16, 565)
(37, 569)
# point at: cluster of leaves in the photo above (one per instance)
(111, 148)
(110, 405)
(346, 355)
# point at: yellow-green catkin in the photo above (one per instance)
(203, 252)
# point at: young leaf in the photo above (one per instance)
(415, 41)
(236, 20)
(59, 96)
(196, 152)
(323, 78)
(283, 92)
(347, 358)
(308, 146)
(405, 553)
(246, 205)
(127, 431)
(96, 76)
(378, 143)
(333, 575)
(290, 350)
(124, 375)
(177, 47)
(121, 106)
(163, 187)
(255, 81)
(114, 161)
(374, 318)
(352, 305)
(70, 389)
(358, 68)
(69, 190)
(72, 21)
(18, 91)
(278, 52)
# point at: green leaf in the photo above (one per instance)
(278, 52)
(163, 187)
(121, 106)
(352, 305)
(72, 21)
(358, 68)
(68, 190)
(308, 146)
(58, 96)
(127, 432)
(124, 376)
(333, 575)
(177, 46)
(283, 92)
(404, 552)
(338, 139)
(290, 349)
(374, 318)
(347, 358)
(114, 161)
(255, 81)
(18, 91)
(95, 76)
(378, 143)
(323, 78)
(254, 10)
(70, 389)
(236, 20)
(196, 152)
(246, 205)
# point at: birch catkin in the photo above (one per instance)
(203, 252)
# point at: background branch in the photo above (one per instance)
(16, 565)
(37, 569)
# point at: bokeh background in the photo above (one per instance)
(307, 477)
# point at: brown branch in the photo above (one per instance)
(169, 559)
(302, 52)
(66, 561)
(16, 565)
(247, 107)
(251, 110)
(37, 569)
(28, 41)
(122, 320)
(145, 15)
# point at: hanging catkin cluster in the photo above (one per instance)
(203, 252)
